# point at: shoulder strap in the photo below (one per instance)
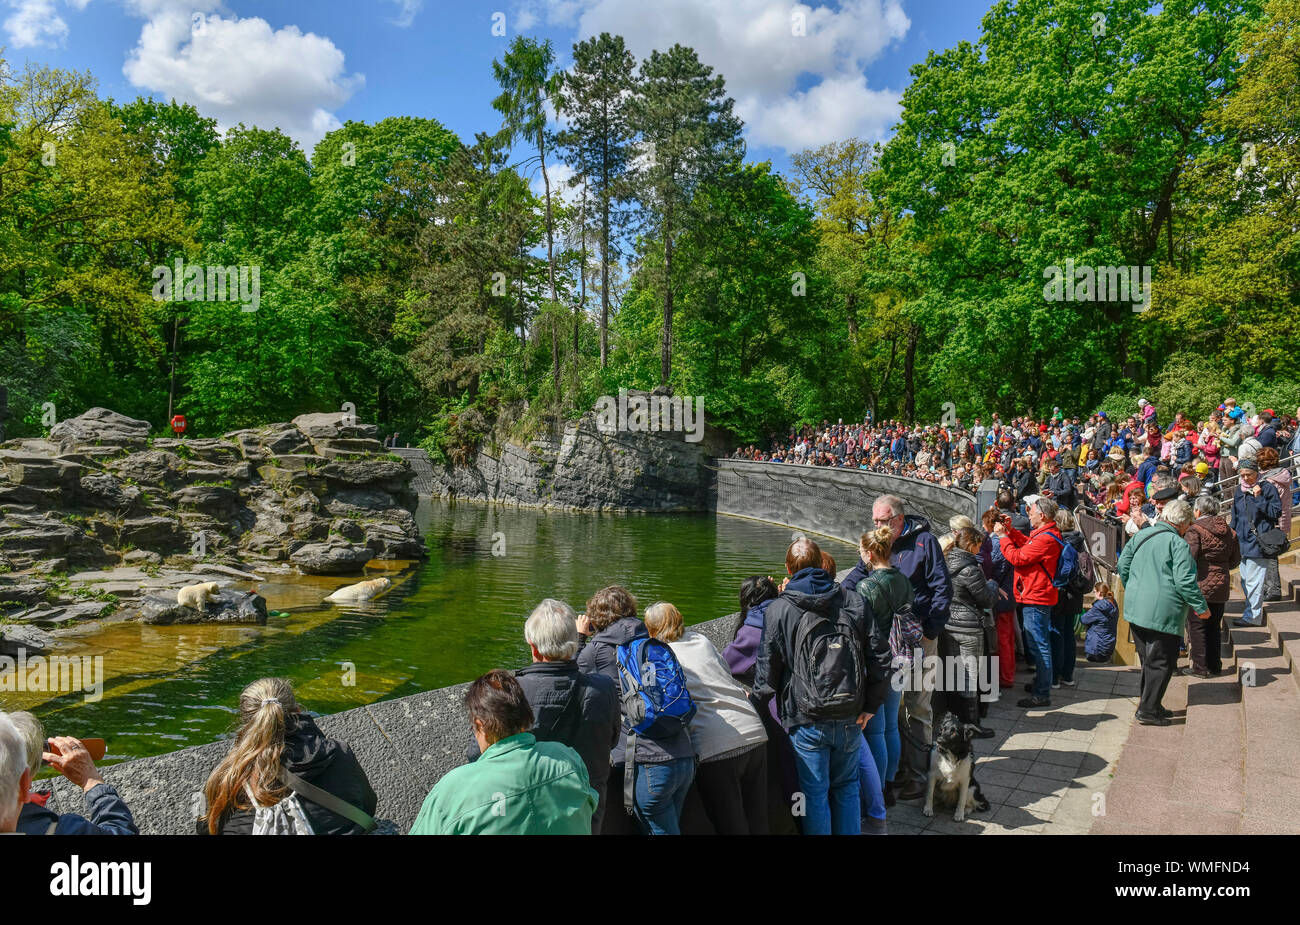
(49, 830)
(328, 800)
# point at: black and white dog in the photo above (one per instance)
(952, 770)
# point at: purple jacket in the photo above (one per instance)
(741, 653)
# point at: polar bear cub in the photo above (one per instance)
(362, 590)
(196, 596)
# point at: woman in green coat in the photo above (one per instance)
(1159, 576)
(518, 785)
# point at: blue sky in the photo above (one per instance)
(309, 65)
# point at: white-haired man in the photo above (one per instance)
(574, 707)
(15, 779)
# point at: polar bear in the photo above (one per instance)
(196, 596)
(362, 590)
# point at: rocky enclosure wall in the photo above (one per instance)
(832, 502)
(585, 469)
(101, 513)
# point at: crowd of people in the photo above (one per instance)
(818, 714)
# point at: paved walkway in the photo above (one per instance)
(1047, 770)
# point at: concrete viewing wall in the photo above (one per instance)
(405, 746)
(832, 502)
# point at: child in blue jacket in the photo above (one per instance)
(1102, 621)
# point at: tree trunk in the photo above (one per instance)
(666, 355)
(582, 270)
(171, 388)
(604, 276)
(851, 310)
(909, 369)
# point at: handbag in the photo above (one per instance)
(1272, 542)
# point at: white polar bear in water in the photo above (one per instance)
(362, 590)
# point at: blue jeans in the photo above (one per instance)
(871, 795)
(1038, 626)
(1063, 644)
(1253, 572)
(661, 790)
(826, 760)
(882, 735)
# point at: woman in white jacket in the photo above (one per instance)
(728, 735)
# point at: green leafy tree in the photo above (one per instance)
(689, 136)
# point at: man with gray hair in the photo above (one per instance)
(1034, 558)
(576, 708)
(15, 779)
(917, 554)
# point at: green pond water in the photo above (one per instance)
(446, 620)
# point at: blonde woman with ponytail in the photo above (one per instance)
(887, 593)
(274, 734)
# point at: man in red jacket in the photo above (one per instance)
(1034, 559)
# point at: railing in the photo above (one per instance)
(1226, 487)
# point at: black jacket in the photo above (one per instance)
(972, 593)
(600, 656)
(1023, 482)
(811, 589)
(317, 759)
(1061, 485)
(580, 710)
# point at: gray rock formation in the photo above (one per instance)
(320, 492)
(228, 606)
(583, 468)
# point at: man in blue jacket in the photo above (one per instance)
(917, 554)
(1256, 508)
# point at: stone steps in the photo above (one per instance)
(1230, 764)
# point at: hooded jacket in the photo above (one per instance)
(972, 593)
(811, 589)
(1215, 548)
(1102, 621)
(917, 554)
(600, 656)
(320, 760)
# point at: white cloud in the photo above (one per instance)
(753, 44)
(240, 69)
(406, 12)
(37, 22)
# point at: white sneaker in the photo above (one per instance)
(1056, 685)
(1065, 682)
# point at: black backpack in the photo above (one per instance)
(826, 668)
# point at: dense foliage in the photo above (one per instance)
(421, 277)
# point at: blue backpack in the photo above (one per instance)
(656, 702)
(1071, 575)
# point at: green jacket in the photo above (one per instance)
(519, 786)
(1159, 576)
